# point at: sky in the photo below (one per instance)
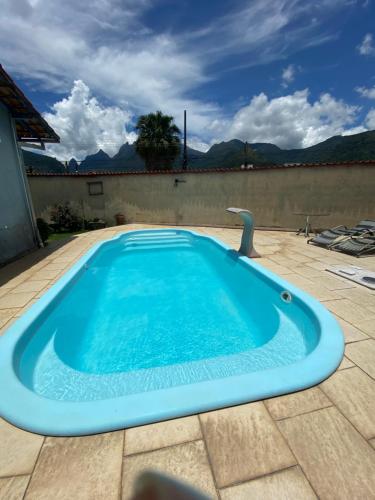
(290, 72)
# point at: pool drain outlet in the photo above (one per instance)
(286, 297)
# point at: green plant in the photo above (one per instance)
(158, 141)
(43, 228)
(64, 219)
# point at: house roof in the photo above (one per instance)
(30, 125)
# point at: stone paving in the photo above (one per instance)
(317, 443)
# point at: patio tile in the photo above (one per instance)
(31, 286)
(18, 450)
(335, 458)
(13, 282)
(15, 299)
(289, 484)
(332, 283)
(7, 314)
(80, 468)
(353, 392)
(307, 272)
(367, 326)
(361, 296)
(154, 436)
(345, 363)
(46, 274)
(297, 403)
(320, 292)
(13, 488)
(317, 264)
(298, 280)
(187, 462)
(349, 311)
(351, 333)
(363, 355)
(227, 430)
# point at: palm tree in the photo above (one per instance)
(158, 141)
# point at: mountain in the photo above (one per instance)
(97, 161)
(227, 155)
(337, 148)
(230, 154)
(36, 162)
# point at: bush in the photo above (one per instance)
(64, 219)
(44, 229)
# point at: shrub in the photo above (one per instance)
(44, 229)
(64, 219)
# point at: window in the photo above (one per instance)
(95, 188)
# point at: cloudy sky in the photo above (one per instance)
(291, 72)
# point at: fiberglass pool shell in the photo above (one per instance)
(156, 324)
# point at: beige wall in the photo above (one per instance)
(274, 195)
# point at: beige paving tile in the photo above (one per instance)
(154, 436)
(345, 363)
(372, 442)
(227, 430)
(298, 258)
(12, 300)
(297, 403)
(335, 458)
(274, 267)
(306, 272)
(187, 462)
(289, 484)
(367, 326)
(349, 311)
(361, 296)
(13, 488)
(317, 265)
(81, 468)
(45, 274)
(13, 282)
(298, 280)
(332, 282)
(31, 286)
(363, 355)
(7, 314)
(18, 450)
(353, 392)
(320, 292)
(351, 333)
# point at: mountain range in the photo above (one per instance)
(230, 154)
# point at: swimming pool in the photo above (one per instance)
(157, 324)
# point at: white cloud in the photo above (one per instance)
(84, 125)
(130, 67)
(110, 47)
(366, 47)
(368, 92)
(288, 75)
(292, 121)
(370, 119)
(196, 143)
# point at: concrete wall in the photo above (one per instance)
(274, 195)
(16, 229)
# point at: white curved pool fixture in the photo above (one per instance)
(247, 246)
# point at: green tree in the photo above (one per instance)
(158, 142)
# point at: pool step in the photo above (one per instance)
(161, 240)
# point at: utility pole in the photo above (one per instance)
(184, 157)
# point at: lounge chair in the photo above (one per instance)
(331, 237)
(357, 245)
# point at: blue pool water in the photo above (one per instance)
(157, 311)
